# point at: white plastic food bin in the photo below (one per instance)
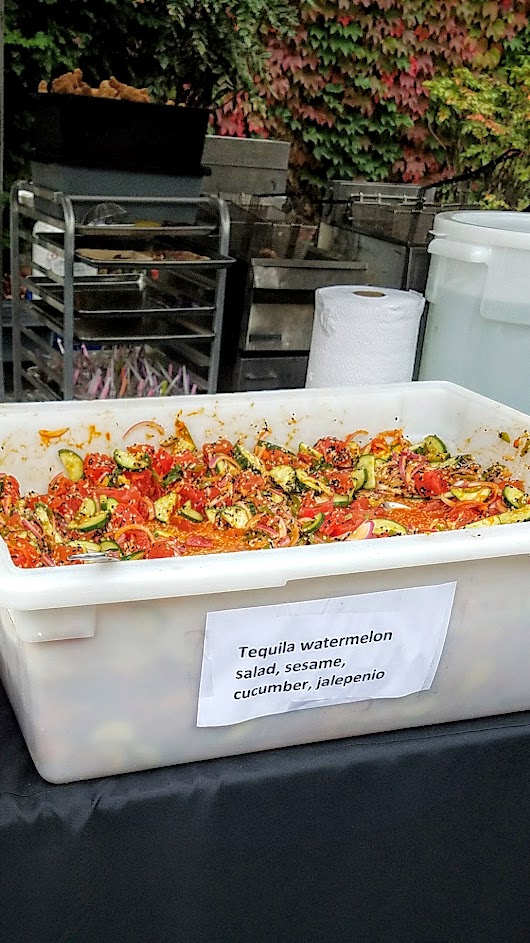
(102, 662)
(478, 289)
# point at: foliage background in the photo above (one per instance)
(194, 51)
(349, 86)
(344, 80)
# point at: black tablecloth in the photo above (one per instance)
(420, 836)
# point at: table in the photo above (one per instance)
(421, 836)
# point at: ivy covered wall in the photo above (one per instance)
(344, 80)
(348, 86)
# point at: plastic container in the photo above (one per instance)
(118, 135)
(478, 289)
(107, 184)
(102, 663)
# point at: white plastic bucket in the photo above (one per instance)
(478, 325)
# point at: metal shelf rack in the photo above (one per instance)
(182, 302)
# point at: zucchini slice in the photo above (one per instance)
(367, 463)
(190, 513)
(237, 516)
(72, 463)
(311, 526)
(164, 507)
(471, 494)
(95, 522)
(384, 527)
(514, 497)
(130, 461)
(285, 477)
(246, 459)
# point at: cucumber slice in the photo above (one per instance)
(88, 546)
(516, 516)
(190, 513)
(296, 502)
(310, 483)
(182, 441)
(514, 497)
(236, 516)
(384, 527)
(471, 494)
(95, 522)
(108, 504)
(130, 461)
(342, 500)
(358, 478)
(73, 464)
(164, 507)
(225, 466)
(273, 447)
(45, 517)
(174, 474)
(285, 477)
(210, 514)
(435, 448)
(307, 450)
(311, 526)
(109, 545)
(246, 459)
(137, 555)
(88, 508)
(367, 462)
(485, 522)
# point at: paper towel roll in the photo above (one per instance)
(363, 335)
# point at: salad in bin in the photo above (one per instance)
(177, 498)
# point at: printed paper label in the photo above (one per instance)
(274, 659)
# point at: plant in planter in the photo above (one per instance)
(191, 51)
(478, 118)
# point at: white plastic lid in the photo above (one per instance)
(504, 228)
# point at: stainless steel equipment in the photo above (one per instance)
(270, 298)
(386, 226)
(280, 300)
(245, 165)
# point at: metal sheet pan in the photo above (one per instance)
(118, 298)
(123, 231)
(132, 330)
(215, 260)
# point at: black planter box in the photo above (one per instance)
(117, 135)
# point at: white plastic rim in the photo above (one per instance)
(98, 584)
(503, 228)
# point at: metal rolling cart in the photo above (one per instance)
(176, 305)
